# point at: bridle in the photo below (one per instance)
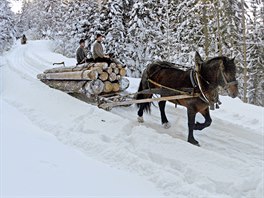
(227, 84)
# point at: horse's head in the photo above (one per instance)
(227, 76)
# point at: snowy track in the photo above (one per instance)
(229, 163)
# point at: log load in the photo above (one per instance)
(89, 79)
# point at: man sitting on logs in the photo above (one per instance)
(98, 51)
(80, 53)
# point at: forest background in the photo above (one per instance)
(142, 31)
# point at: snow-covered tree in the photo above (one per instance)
(255, 50)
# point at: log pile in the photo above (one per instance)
(90, 79)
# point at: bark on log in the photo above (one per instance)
(70, 69)
(103, 65)
(66, 86)
(78, 75)
(98, 69)
(113, 65)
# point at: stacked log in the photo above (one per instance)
(89, 79)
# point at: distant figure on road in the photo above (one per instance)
(23, 39)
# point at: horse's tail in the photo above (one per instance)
(142, 86)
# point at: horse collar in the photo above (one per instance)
(193, 79)
(197, 74)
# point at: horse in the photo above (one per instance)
(204, 81)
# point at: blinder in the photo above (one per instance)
(227, 84)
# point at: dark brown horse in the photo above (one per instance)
(219, 71)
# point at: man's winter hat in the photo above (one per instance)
(99, 35)
(82, 41)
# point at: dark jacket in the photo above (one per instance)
(80, 55)
(23, 39)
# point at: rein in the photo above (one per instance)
(227, 84)
(171, 89)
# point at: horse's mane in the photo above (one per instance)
(216, 58)
(168, 65)
(210, 61)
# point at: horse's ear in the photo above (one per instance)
(198, 58)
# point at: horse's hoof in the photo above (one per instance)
(194, 142)
(140, 119)
(198, 126)
(166, 125)
(197, 144)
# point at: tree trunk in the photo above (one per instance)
(205, 31)
(244, 53)
(219, 35)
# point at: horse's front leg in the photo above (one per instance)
(164, 119)
(140, 113)
(191, 119)
(207, 123)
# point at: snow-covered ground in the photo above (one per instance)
(109, 154)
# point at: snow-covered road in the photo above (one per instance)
(228, 165)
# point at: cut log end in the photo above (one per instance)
(108, 87)
(103, 76)
(122, 72)
(94, 87)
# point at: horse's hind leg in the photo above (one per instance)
(207, 123)
(164, 119)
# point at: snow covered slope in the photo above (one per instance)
(229, 163)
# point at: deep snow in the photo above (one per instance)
(229, 163)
